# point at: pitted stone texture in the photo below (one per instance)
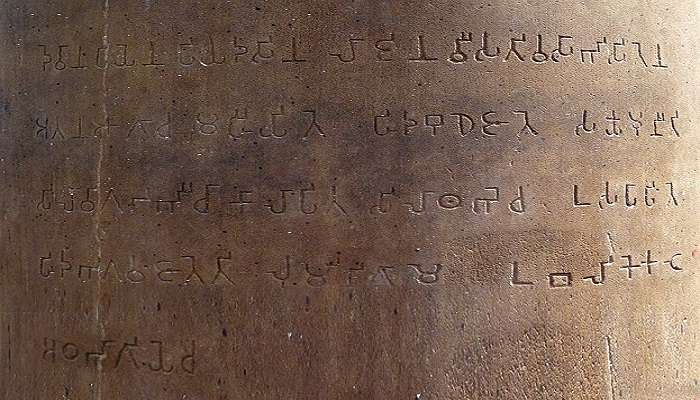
(341, 200)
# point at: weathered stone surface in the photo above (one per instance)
(342, 200)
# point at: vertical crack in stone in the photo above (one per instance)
(9, 349)
(611, 243)
(98, 210)
(611, 367)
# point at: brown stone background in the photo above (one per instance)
(341, 334)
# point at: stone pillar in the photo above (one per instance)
(223, 200)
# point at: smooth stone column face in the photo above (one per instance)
(342, 200)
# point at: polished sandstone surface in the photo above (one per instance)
(222, 200)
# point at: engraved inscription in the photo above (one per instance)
(192, 271)
(151, 356)
(308, 199)
(628, 267)
(212, 50)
